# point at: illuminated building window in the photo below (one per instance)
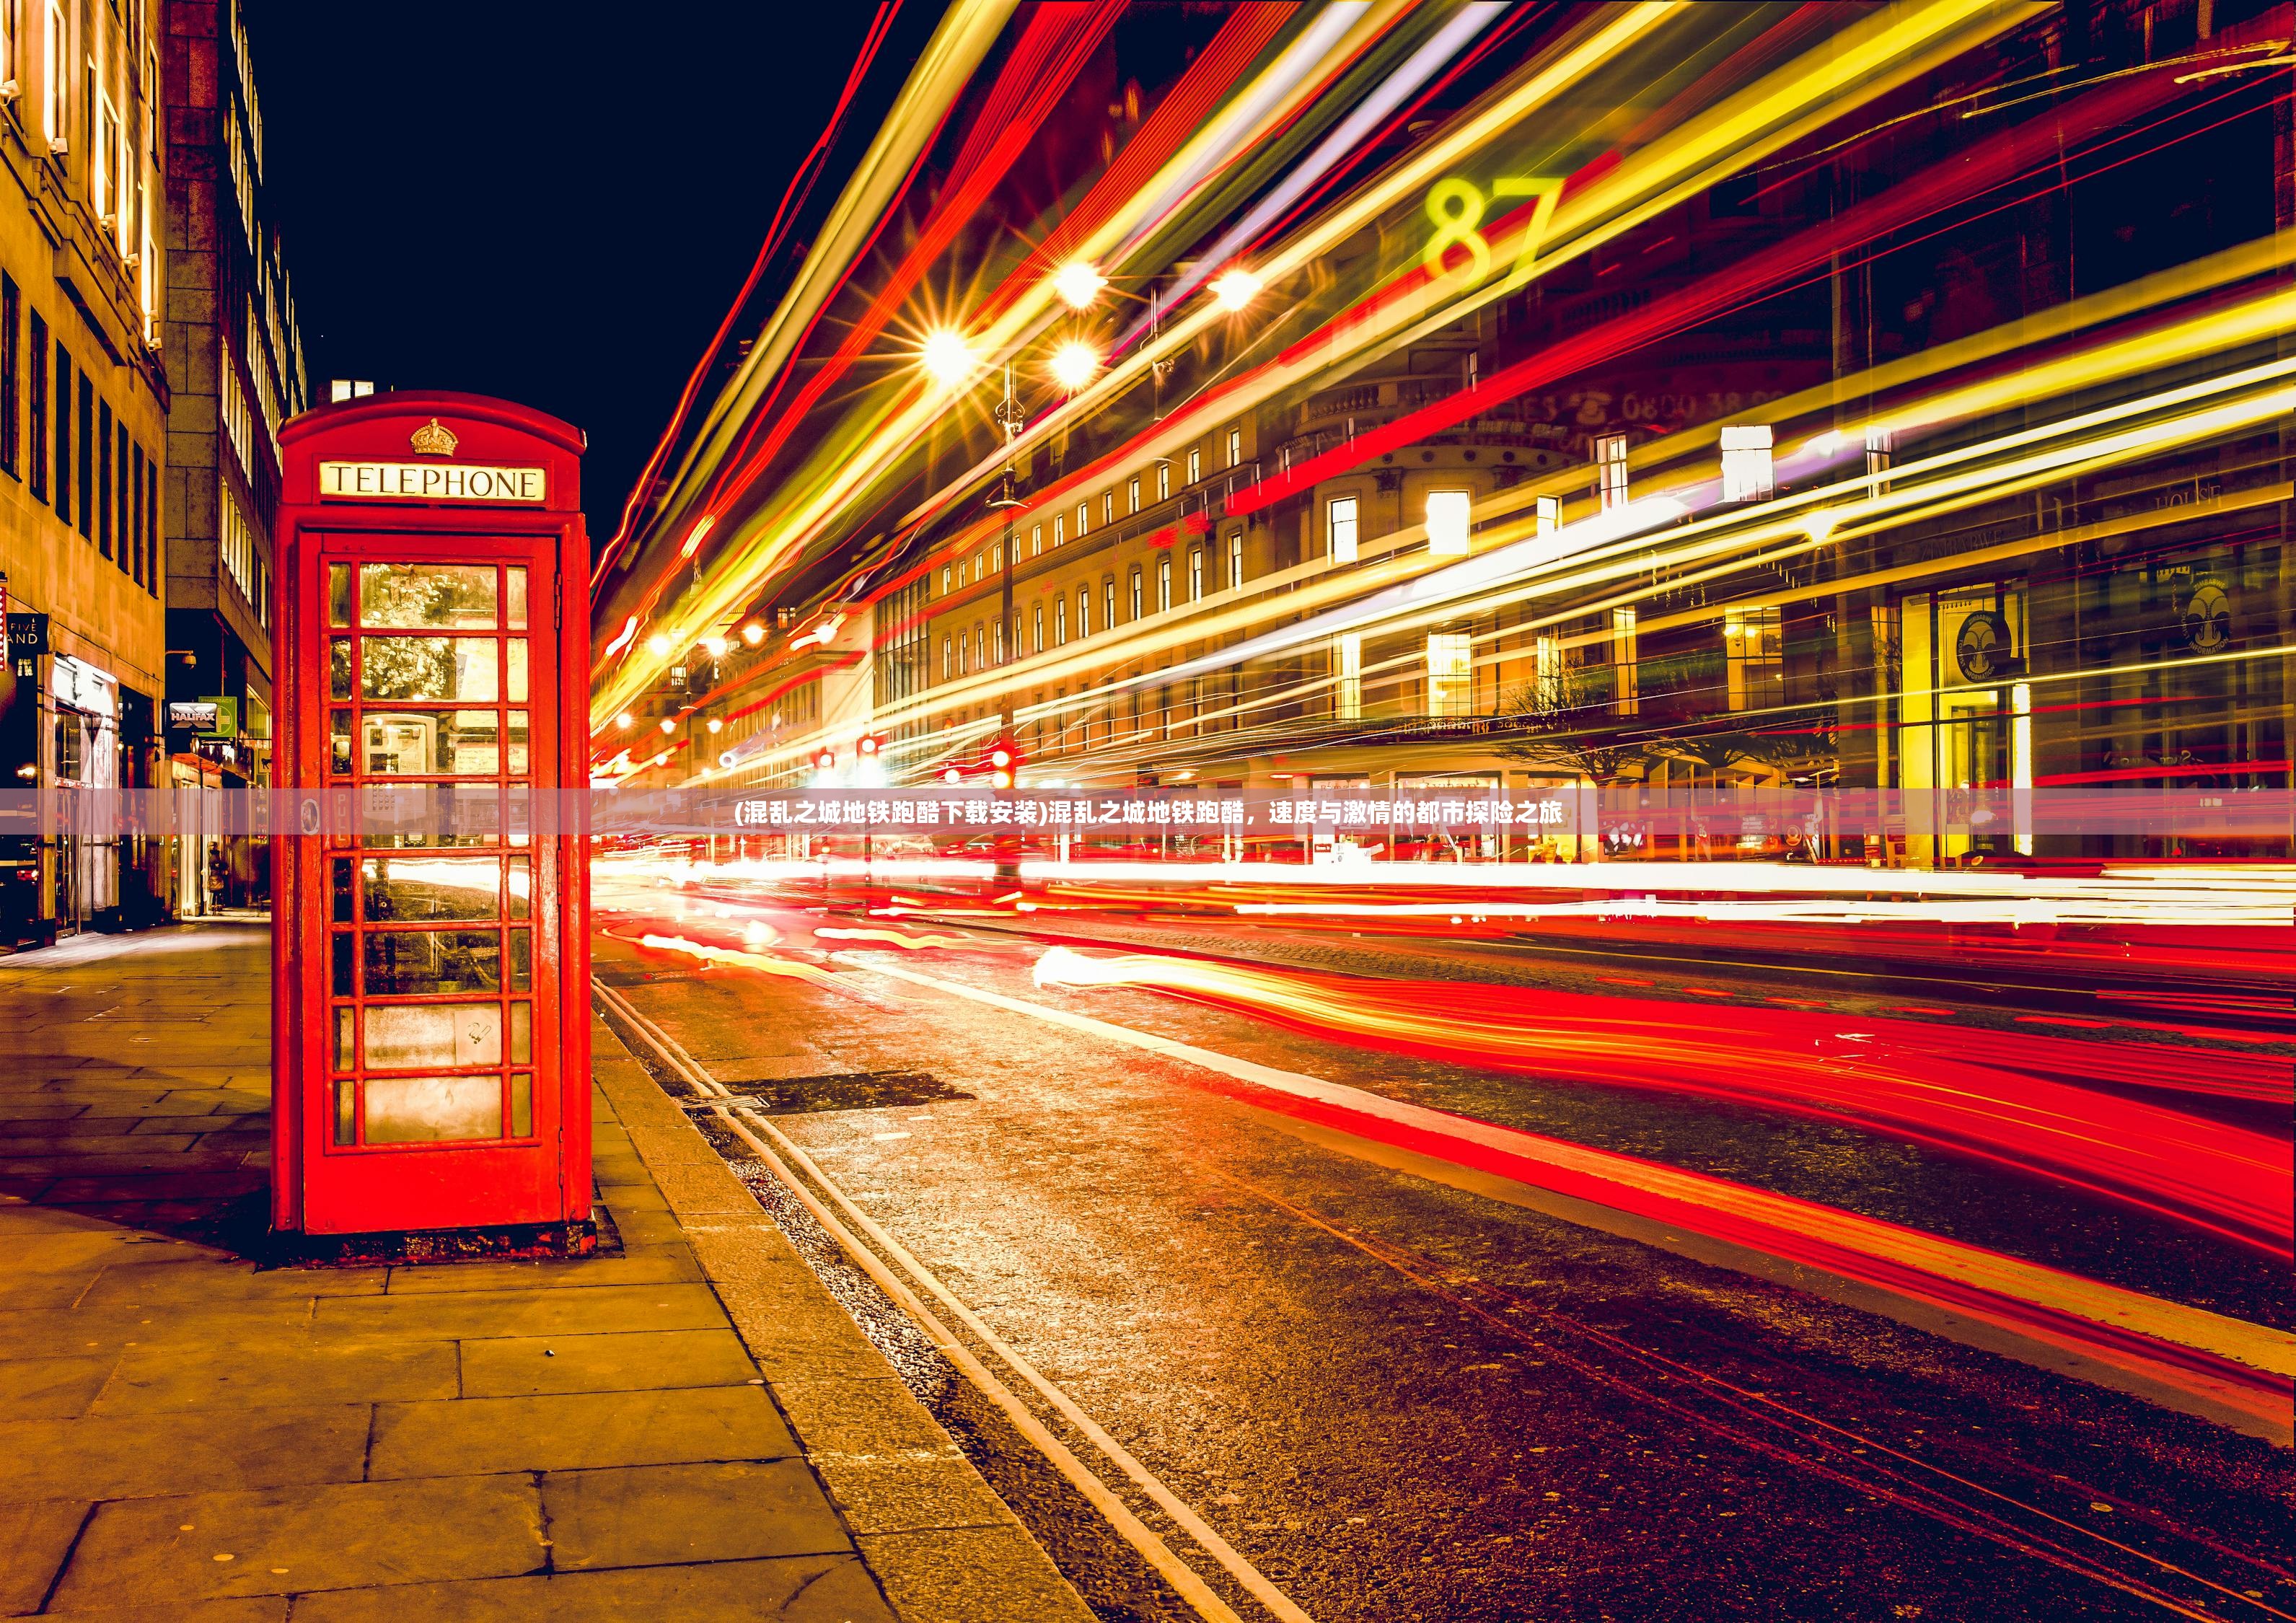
(948, 659)
(59, 85)
(1342, 527)
(1060, 619)
(1040, 628)
(998, 648)
(980, 649)
(1108, 507)
(1880, 451)
(1195, 464)
(1084, 610)
(1108, 604)
(1235, 561)
(1449, 518)
(1060, 529)
(1746, 472)
(1084, 516)
(1235, 447)
(12, 318)
(1035, 539)
(1750, 640)
(1163, 585)
(1450, 674)
(1610, 470)
(1626, 693)
(102, 158)
(1136, 591)
(996, 556)
(1195, 573)
(1347, 668)
(1133, 489)
(1549, 687)
(1163, 480)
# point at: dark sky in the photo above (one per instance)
(547, 201)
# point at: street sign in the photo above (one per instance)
(28, 635)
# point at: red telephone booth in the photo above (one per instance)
(430, 961)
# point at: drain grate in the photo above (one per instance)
(851, 1090)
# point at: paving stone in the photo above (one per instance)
(193, 1374)
(188, 1276)
(114, 1456)
(40, 1388)
(977, 1575)
(33, 1537)
(288, 1540)
(589, 1272)
(658, 1514)
(860, 1417)
(895, 1494)
(254, 1609)
(528, 1366)
(794, 1589)
(514, 1313)
(632, 1197)
(577, 1431)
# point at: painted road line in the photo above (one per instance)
(1152, 1549)
(2225, 1360)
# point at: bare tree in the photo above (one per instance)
(1558, 707)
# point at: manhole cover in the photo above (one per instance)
(851, 1090)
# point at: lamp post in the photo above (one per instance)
(1012, 418)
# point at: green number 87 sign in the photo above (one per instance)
(1456, 207)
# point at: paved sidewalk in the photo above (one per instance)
(691, 1429)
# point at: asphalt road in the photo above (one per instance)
(1399, 1399)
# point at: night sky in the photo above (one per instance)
(510, 198)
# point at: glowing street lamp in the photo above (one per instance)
(714, 646)
(753, 633)
(669, 725)
(626, 720)
(1078, 283)
(947, 357)
(1073, 365)
(1235, 289)
(657, 645)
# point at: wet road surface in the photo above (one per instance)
(1398, 1399)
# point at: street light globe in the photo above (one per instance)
(1236, 289)
(1073, 365)
(947, 357)
(714, 646)
(657, 645)
(716, 723)
(753, 633)
(667, 725)
(626, 720)
(1076, 283)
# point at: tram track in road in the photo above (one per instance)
(908, 1283)
(2155, 1560)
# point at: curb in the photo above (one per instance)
(942, 1545)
